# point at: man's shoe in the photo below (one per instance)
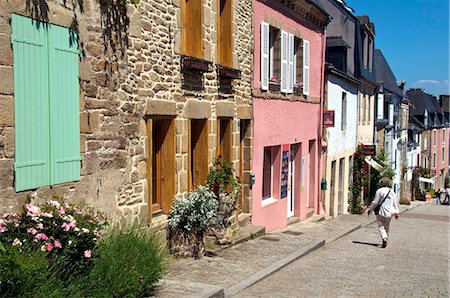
(384, 244)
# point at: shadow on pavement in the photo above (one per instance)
(367, 243)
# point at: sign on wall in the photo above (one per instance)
(328, 118)
(284, 171)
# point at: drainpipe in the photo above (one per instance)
(320, 129)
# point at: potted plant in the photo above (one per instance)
(298, 88)
(274, 84)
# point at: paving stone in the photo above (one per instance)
(414, 264)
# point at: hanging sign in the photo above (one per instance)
(328, 118)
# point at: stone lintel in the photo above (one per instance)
(160, 107)
(197, 110)
(244, 112)
(225, 109)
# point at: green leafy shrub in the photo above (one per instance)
(127, 264)
(189, 219)
(22, 271)
(226, 187)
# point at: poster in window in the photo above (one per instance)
(284, 171)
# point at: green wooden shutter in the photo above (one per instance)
(31, 106)
(64, 105)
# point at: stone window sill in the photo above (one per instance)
(268, 201)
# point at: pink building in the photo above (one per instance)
(287, 110)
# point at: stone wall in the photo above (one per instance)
(131, 71)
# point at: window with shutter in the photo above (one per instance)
(31, 104)
(298, 62)
(284, 62)
(291, 80)
(64, 106)
(344, 111)
(264, 56)
(275, 55)
(306, 67)
(225, 49)
(46, 104)
(191, 31)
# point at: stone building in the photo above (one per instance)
(122, 107)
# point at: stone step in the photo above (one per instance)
(310, 212)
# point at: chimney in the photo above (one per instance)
(403, 85)
(444, 102)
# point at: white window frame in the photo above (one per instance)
(306, 66)
(265, 63)
(344, 111)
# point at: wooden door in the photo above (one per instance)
(198, 152)
(161, 170)
(225, 128)
(244, 141)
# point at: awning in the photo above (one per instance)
(427, 180)
(375, 165)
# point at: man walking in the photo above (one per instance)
(386, 205)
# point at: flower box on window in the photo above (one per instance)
(298, 91)
(189, 62)
(274, 86)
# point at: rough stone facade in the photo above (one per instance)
(131, 71)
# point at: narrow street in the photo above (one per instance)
(414, 264)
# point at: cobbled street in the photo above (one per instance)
(414, 264)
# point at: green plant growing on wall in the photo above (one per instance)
(226, 187)
(363, 178)
(417, 173)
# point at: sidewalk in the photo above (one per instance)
(238, 267)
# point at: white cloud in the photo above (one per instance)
(430, 82)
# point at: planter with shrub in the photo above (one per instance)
(206, 208)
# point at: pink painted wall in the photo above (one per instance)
(316, 40)
(440, 165)
(280, 122)
(276, 123)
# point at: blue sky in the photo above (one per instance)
(414, 37)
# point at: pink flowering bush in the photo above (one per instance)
(66, 233)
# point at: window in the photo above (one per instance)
(365, 45)
(443, 136)
(434, 160)
(337, 56)
(225, 129)
(434, 137)
(161, 165)
(267, 173)
(344, 111)
(46, 103)
(281, 59)
(443, 154)
(198, 157)
(275, 54)
(298, 61)
(271, 175)
(370, 53)
(367, 110)
(395, 159)
(425, 142)
(191, 31)
(225, 49)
